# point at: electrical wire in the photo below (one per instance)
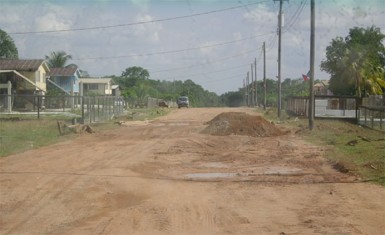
(172, 51)
(294, 19)
(207, 63)
(136, 23)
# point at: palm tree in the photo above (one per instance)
(57, 59)
(375, 81)
(367, 78)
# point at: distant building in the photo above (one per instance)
(26, 76)
(115, 90)
(322, 88)
(66, 79)
(95, 86)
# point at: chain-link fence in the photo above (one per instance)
(86, 109)
(372, 112)
(324, 106)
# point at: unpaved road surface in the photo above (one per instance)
(166, 177)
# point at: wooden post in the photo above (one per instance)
(247, 90)
(8, 86)
(9, 100)
(38, 106)
(312, 59)
(252, 85)
(264, 76)
(255, 84)
(244, 93)
(82, 109)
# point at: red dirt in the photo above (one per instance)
(238, 123)
(166, 177)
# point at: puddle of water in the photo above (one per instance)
(222, 175)
(179, 124)
(215, 165)
(281, 171)
(171, 124)
(213, 175)
(159, 124)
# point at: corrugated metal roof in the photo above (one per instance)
(95, 80)
(67, 71)
(20, 65)
(21, 76)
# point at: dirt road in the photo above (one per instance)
(166, 177)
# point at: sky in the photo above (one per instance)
(211, 42)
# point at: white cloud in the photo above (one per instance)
(51, 21)
(149, 32)
(262, 17)
(207, 47)
(261, 13)
(9, 18)
(332, 20)
(140, 3)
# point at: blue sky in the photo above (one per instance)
(212, 42)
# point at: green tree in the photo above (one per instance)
(232, 98)
(136, 72)
(7, 46)
(356, 63)
(375, 82)
(57, 59)
(136, 86)
(130, 77)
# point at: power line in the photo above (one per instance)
(216, 71)
(293, 20)
(172, 51)
(202, 64)
(223, 79)
(136, 23)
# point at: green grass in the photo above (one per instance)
(21, 133)
(146, 114)
(365, 158)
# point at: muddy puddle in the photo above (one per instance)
(287, 171)
(208, 176)
(282, 171)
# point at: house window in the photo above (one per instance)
(93, 86)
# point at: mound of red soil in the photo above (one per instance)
(236, 123)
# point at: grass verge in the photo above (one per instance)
(22, 133)
(352, 148)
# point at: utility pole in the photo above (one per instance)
(264, 76)
(312, 56)
(279, 55)
(255, 84)
(244, 93)
(248, 90)
(252, 86)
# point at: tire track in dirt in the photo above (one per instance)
(133, 181)
(37, 200)
(148, 143)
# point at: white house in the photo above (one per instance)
(95, 86)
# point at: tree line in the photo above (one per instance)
(356, 65)
(135, 83)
